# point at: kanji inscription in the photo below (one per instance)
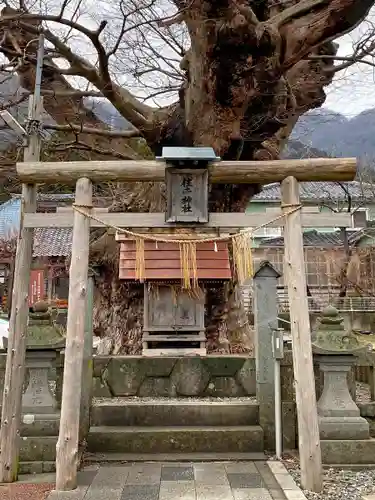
(187, 195)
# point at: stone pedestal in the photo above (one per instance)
(335, 350)
(339, 416)
(38, 398)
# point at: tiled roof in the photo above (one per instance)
(51, 197)
(322, 191)
(317, 239)
(52, 242)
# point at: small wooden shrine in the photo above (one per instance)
(175, 274)
(173, 315)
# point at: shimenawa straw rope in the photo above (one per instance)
(242, 248)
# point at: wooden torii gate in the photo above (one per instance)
(83, 174)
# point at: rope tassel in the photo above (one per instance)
(242, 256)
(140, 259)
(188, 259)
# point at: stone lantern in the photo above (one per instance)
(44, 341)
(336, 350)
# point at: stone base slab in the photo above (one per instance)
(37, 467)
(38, 449)
(356, 451)
(343, 428)
(40, 425)
(33, 425)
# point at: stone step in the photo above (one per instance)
(174, 412)
(166, 439)
(120, 458)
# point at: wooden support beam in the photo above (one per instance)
(304, 381)
(216, 220)
(15, 363)
(67, 445)
(225, 172)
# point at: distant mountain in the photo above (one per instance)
(337, 135)
(9, 90)
(297, 149)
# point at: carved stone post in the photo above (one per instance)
(339, 416)
(265, 297)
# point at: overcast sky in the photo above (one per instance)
(353, 90)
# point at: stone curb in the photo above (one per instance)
(285, 481)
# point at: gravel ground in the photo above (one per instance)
(363, 393)
(23, 491)
(338, 484)
(136, 399)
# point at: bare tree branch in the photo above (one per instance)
(349, 61)
(79, 145)
(80, 129)
(295, 11)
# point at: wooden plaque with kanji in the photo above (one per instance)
(187, 195)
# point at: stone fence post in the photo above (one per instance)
(265, 320)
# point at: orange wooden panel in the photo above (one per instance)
(175, 264)
(163, 261)
(175, 274)
(173, 254)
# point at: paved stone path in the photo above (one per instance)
(177, 481)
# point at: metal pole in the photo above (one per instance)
(278, 353)
(278, 417)
(39, 69)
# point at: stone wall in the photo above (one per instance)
(214, 376)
